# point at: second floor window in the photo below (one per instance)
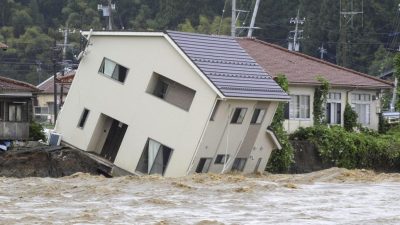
(113, 70)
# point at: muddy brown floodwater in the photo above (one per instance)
(333, 196)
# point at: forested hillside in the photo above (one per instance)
(31, 27)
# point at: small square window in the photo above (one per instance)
(221, 159)
(84, 116)
(238, 164)
(258, 116)
(238, 115)
(113, 70)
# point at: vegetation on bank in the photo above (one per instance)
(280, 159)
(365, 149)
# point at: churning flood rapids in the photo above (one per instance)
(333, 196)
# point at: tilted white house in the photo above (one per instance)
(171, 103)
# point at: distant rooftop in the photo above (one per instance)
(302, 69)
(47, 86)
(8, 84)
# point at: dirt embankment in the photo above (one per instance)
(45, 162)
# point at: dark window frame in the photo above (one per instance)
(24, 112)
(220, 158)
(236, 115)
(161, 88)
(256, 115)
(167, 89)
(237, 166)
(203, 169)
(145, 153)
(83, 118)
(121, 74)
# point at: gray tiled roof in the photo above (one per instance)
(228, 66)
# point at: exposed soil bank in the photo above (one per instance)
(46, 162)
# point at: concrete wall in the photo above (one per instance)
(292, 125)
(147, 116)
(14, 130)
(243, 140)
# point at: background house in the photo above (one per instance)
(44, 104)
(171, 103)
(15, 108)
(362, 91)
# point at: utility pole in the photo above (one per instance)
(253, 19)
(54, 59)
(65, 33)
(107, 12)
(233, 19)
(296, 34)
(323, 51)
(346, 20)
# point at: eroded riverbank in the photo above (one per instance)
(333, 196)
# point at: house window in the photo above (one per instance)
(113, 70)
(221, 159)
(238, 164)
(299, 107)
(333, 112)
(83, 118)
(154, 159)
(171, 91)
(215, 110)
(363, 112)
(17, 112)
(361, 105)
(204, 165)
(258, 116)
(238, 115)
(161, 89)
(361, 97)
(334, 108)
(334, 96)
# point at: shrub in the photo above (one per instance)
(350, 118)
(280, 159)
(36, 132)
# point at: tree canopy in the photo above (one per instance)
(366, 43)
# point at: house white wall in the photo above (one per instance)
(147, 116)
(293, 124)
(223, 137)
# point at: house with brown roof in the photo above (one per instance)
(15, 108)
(44, 104)
(362, 91)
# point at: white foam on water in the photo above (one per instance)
(96, 200)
